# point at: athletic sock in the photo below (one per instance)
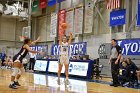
(16, 80)
(12, 82)
(67, 78)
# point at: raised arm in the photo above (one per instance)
(37, 40)
(70, 39)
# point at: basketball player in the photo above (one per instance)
(64, 58)
(17, 61)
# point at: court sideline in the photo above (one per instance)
(37, 83)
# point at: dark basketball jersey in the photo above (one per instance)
(21, 54)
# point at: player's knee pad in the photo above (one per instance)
(21, 70)
(15, 71)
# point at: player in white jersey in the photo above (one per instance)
(64, 57)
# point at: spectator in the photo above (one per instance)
(121, 61)
(78, 57)
(3, 58)
(131, 64)
(123, 73)
(84, 58)
(138, 76)
(9, 61)
(132, 70)
(32, 61)
(74, 58)
(5, 63)
(46, 57)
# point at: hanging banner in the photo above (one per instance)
(70, 21)
(51, 2)
(78, 20)
(138, 14)
(76, 2)
(117, 17)
(61, 19)
(130, 46)
(53, 26)
(74, 48)
(35, 5)
(88, 17)
(42, 4)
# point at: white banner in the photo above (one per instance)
(75, 68)
(70, 21)
(53, 26)
(53, 67)
(78, 20)
(88, 17)
(78, 68)
(41, 65)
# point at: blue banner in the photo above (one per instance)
(130, 46)
(117, 17)
(59, 1)
(74, 49)
(51, 2)
(42, 48)
(138, 14)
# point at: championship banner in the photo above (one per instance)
(76, 2)
(117, 17)
(138, 14)
(51, 2)
(42, 4)
(70, 21)
(75, 48)
(61, 19)
(35, 5)
(88, 17)
(130, 46)
(53, 26)
(78, 23)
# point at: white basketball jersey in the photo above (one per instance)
(64, 48)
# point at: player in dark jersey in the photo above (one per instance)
(17, 61)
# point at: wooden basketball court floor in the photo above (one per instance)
(37, 83)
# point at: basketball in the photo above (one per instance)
(64, 26)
